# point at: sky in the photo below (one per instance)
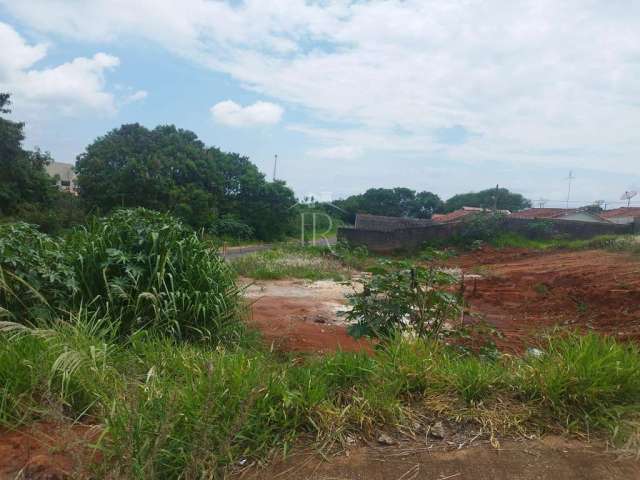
(448, 96)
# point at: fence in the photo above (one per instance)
(415, 237)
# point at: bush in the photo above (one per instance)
(34, 272)
(140, 268)
(229, 227)
(399, 297)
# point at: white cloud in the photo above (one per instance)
(339, 152)
(231, 114)
(136, 96)
(537, 81)
(69, 87)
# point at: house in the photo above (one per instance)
(65, 176)
(623, 215)
(462, 213)
(576, 214)
(381, 223)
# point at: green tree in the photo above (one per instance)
(171, 170)
(506, 200)
(392, 202)
(23, 177)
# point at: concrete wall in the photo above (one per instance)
(386, 224)
(412, 238)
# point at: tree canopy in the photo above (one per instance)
(393, 202)
(23, 178)
(506, 200)
(170, 169)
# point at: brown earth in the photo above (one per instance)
(551, 458)
(301, 316)
(521, 292)
(47, 451)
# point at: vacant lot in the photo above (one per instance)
(522, 291)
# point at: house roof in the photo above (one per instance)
(621, 212)
(460, 213)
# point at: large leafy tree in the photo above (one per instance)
(393, 202)
(500, 197)
(170, 169)
(23, 177)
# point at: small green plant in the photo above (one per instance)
(542, 289)
(399, 296)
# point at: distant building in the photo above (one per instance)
(65, 176)
(623, 215)
(462, 213)
(576, 214)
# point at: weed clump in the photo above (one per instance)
(140, 268)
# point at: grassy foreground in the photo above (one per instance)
(134, 324)
(174, 410)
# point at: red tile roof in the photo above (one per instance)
(461, 213)
(449, 217)
(621, 212)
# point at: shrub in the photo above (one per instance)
(34, 272)
(229, 227)
(400, 297)
(148, 270)
(140, 268)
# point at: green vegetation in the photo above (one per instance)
(616, 243)
(139, 268)
(500, 198)
(27, 192)
(392, 202)
(171, 170)
(182, 410)
(289, 261)
(133, 324)
(399, 296)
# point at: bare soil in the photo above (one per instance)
(521, 292)
(551, 458)
(47, 451)
(301, 316)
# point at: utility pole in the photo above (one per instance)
(275, 167)
(495, 199)
(570, 178)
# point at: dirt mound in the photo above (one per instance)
(47, 451)
(522, 294)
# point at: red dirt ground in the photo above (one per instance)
(46, 451)
(522, 292)
(288, 324)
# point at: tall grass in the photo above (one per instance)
(143, 269)
(174, 410)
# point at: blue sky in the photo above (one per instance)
(446, 96)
